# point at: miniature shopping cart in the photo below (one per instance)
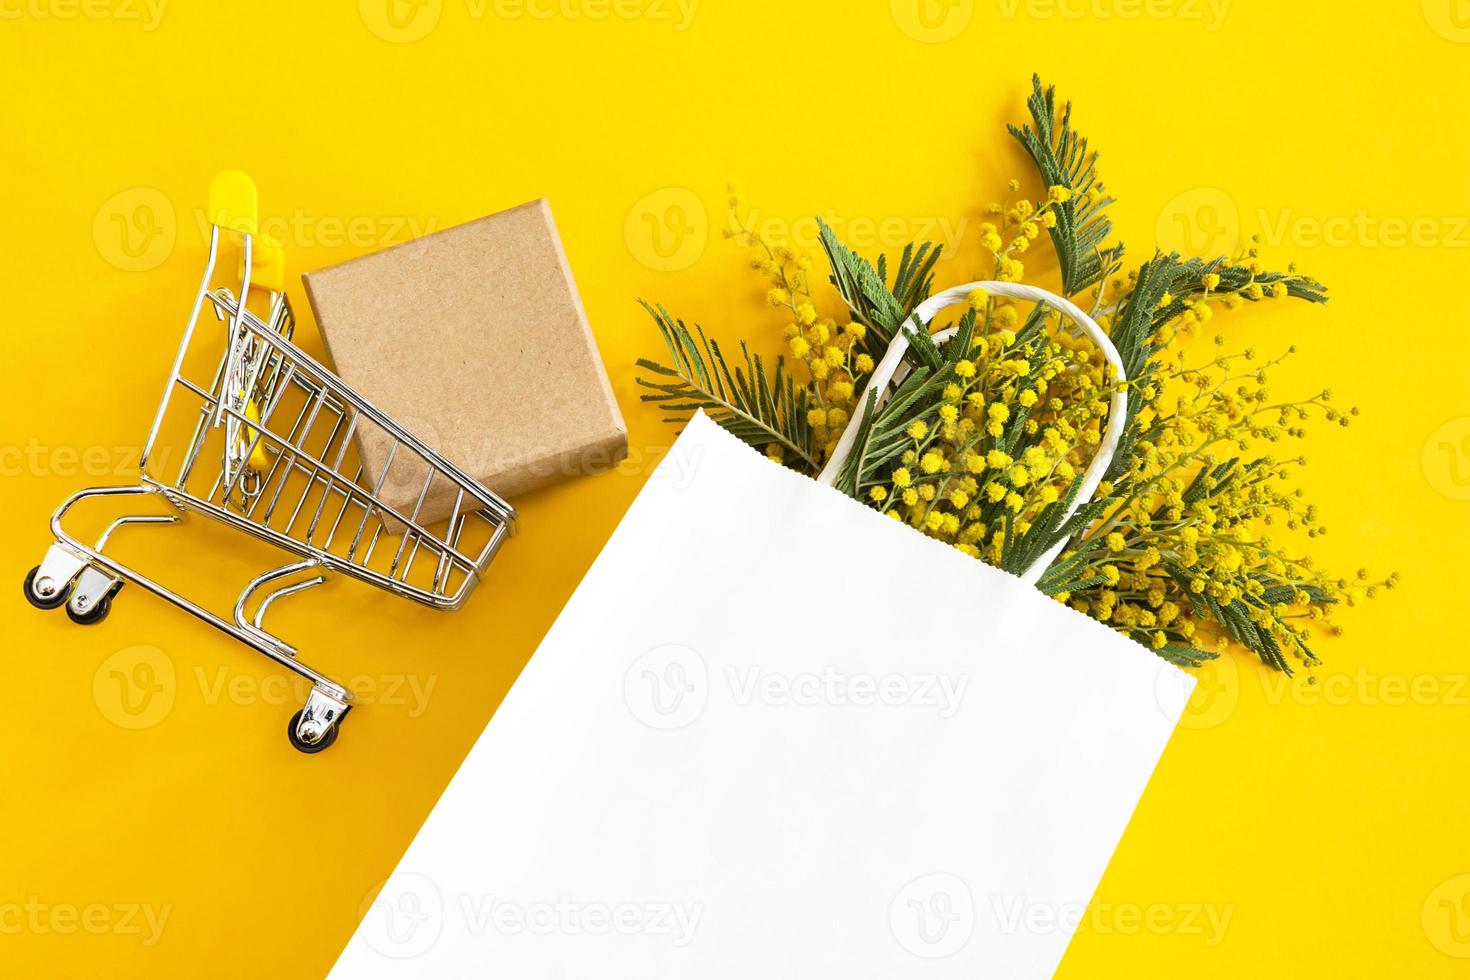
(270, 450)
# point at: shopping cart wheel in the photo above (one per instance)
(92, 616)
(91, 595)
(301, 745)
(57, 598)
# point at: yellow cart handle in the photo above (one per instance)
(233, 202)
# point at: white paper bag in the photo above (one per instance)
(776, 734)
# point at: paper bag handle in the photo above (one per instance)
(887, 368)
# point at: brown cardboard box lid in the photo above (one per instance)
(475, 340)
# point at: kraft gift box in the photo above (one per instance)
(475, 339)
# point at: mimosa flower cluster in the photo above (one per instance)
(1192, 544)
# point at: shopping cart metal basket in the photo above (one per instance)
(270, 450)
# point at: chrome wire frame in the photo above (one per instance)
(312, 500)
(319, 531)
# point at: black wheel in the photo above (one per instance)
(94, 616)
(56, 600)
(301, 746)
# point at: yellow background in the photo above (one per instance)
(1325, 827)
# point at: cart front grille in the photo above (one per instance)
(308, 491)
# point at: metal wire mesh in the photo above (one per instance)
(309, 493)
